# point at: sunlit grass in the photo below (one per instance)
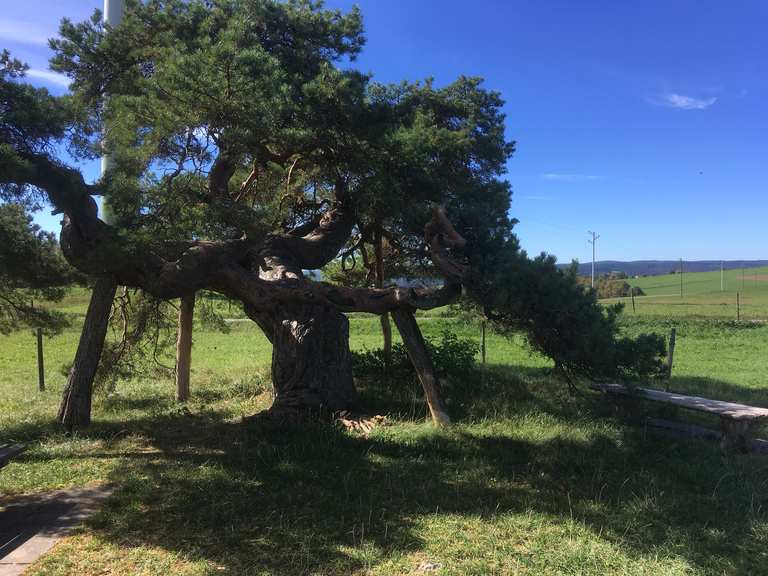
(529, 480)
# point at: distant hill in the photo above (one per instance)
(656, 267)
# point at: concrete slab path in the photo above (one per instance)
(31, 524)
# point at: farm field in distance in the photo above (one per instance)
(702, 294)
(529, 480)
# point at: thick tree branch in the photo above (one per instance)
(441, 237)
(65, 187)
(221, 173)
(286, 255)
(241, 284)
(168, 270)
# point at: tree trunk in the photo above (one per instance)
(386, 327)
(311, 362)
(184, 346)
(75, 409)
(419, 355)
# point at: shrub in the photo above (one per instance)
(450, 354)
(610, 287)
(562, 320)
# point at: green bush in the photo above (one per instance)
(610, 287)
(450, 354)
(560, 318)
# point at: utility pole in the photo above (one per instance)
(113, 14)
(722, 279)
(113, 11)
(595, 236)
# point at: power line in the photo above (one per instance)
(595, 236)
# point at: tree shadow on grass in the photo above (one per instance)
(254, 499)
(296, 502)
(719, 390)
(695, 386)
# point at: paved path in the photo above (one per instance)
(30, 525)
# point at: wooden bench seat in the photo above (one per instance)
(735, 419)
(8, 451)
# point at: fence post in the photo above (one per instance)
(738, 308)
(482, 340)
(632, 292)
(670, 356)
(40, 364)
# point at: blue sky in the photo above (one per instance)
(643, 121)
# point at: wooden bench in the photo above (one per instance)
(735, 419)
(8, 451)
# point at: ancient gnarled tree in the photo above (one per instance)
(247, 151)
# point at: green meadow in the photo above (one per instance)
(703, 295)
(531, 478)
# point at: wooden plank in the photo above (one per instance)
(753, 445)
(681, 428)
(8, 451)
(735, 434)
(721, 408)
(758, 446)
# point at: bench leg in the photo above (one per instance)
(735, 435)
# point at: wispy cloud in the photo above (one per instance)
(48, 77)
(23, 32)
(674, 100)
(560, 177)
(534, 197)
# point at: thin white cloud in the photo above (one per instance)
(23, 33)
(534, 197)
(560, 177)
(674, 100)
(48, 77)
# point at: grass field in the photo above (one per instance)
(702, 296)
(530, 480)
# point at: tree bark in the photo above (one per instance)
(419, 355)
(302, 318)
(184, 346)
(75, 408)
(311, 362)
(386, 327)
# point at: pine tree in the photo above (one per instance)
(246, 154)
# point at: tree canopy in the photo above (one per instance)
(32, 268)
(247, 149)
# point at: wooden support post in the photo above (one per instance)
(735, 435)
(419, 355)
(40, 362)
(482, 340)
(386, 327)
(632, 292)
(670, 357)
(184, 346)
(738, 308)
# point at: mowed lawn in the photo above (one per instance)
(529, 480)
